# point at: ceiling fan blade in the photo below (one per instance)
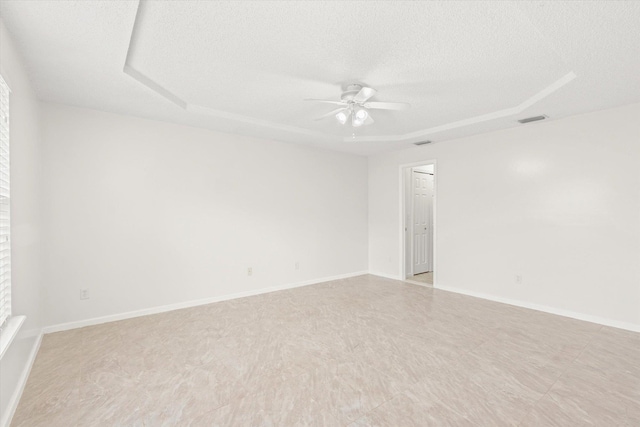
(387, 105)
(364, 94)
(331, 113)
(369, 120)
(328, 101)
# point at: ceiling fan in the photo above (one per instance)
(354, 103)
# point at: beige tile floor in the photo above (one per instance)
(426, 278)
(364, 351)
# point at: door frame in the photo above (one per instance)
(402, 212)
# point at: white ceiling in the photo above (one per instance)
(245, 67)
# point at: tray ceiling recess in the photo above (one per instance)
(457, 65)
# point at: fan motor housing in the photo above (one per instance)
(351, 91)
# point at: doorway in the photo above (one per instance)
(418, 214)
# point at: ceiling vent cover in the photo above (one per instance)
(422, 142)
(533, 119)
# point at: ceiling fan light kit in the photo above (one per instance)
(361, 114)
(354, 102)
(342, 116)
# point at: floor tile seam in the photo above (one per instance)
(483, 342)
(564, 371)
(444, 403)
(488, 340)
(456, 363)
(626, 414)
(475, 347)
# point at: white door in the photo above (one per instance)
(408, 226)
(422, 189)
(430, 223)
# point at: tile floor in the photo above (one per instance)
(426, 278)
(364, 351)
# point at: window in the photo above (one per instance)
(5, 246)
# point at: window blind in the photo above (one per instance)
(5, 241)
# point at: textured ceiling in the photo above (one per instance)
(245, 67)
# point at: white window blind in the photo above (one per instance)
(5, 245)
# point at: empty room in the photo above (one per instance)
(319, 213)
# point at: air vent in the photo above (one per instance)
(533, 119)
(422, 142)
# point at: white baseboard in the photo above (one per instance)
(5, 421)
(546, 309)
(392, 277)
(186, 304)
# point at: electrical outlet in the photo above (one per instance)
(518, 279)
(249, 271)
(84, 293)
(297, 265)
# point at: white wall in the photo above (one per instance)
(556, 202)
(145, 213)
(25, 209)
